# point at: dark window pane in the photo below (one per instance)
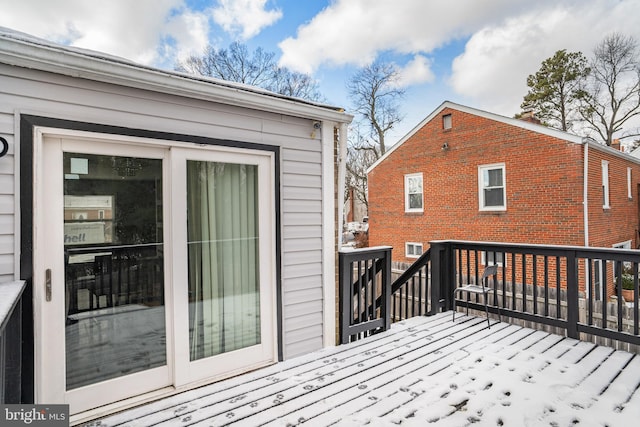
(494, 197)
(415, 201)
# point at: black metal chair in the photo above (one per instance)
(481, 289)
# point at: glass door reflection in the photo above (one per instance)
(114, 267)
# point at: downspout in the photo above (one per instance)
(585, 192)
(585, 208)
(342, 173)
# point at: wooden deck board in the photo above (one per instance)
(425, 370)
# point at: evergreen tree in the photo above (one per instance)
(553, 89)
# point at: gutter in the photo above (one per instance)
(22, 51)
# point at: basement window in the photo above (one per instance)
(413, 250)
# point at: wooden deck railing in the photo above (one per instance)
(365, 292)
(576, 290)
(11, 342)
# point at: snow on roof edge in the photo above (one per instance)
(33, 42)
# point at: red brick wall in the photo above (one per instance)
(544, 188)
(620, 222)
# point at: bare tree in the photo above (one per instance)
(295, 84)
(375, 94)
(360, 155)
(610, 96)
(258, 68)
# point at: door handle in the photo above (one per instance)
(47, 284)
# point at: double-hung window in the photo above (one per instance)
(413, 195)
(492, 193)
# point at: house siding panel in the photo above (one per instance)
(43, 94)
(7, 201)
(301, 212)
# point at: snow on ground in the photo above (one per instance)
(530, 389)
(424, 371)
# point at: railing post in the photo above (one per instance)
(439, 298)
(572, 295)
(344, 272)
(385, 308)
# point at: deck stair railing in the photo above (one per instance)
(11, 342)
(410, 291)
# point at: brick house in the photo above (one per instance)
(468, 174)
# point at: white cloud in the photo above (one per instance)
(190, 30)
(355, 31)
(244, 17)
(493, 69)
(416, 71)
(133, 30)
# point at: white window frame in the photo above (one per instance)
(411, 247)
(407, 207)
(629, 193)
(481, 187)
(484, 258)
(605, 185)
(447, 122)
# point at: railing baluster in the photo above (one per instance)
(535, 283)
(513, 281)
(558, 289)
(590, 264)
(636, 303)
(604, 292)
(524, 283)
(546, 285)
(618, 279)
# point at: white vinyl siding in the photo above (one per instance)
(301, 179)
(8, 260)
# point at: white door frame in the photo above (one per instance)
(48, 227)
(234, 362)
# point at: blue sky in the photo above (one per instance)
(475, 52)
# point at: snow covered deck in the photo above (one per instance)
(425, 370)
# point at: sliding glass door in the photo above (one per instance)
(228, 236)
(157, 265)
